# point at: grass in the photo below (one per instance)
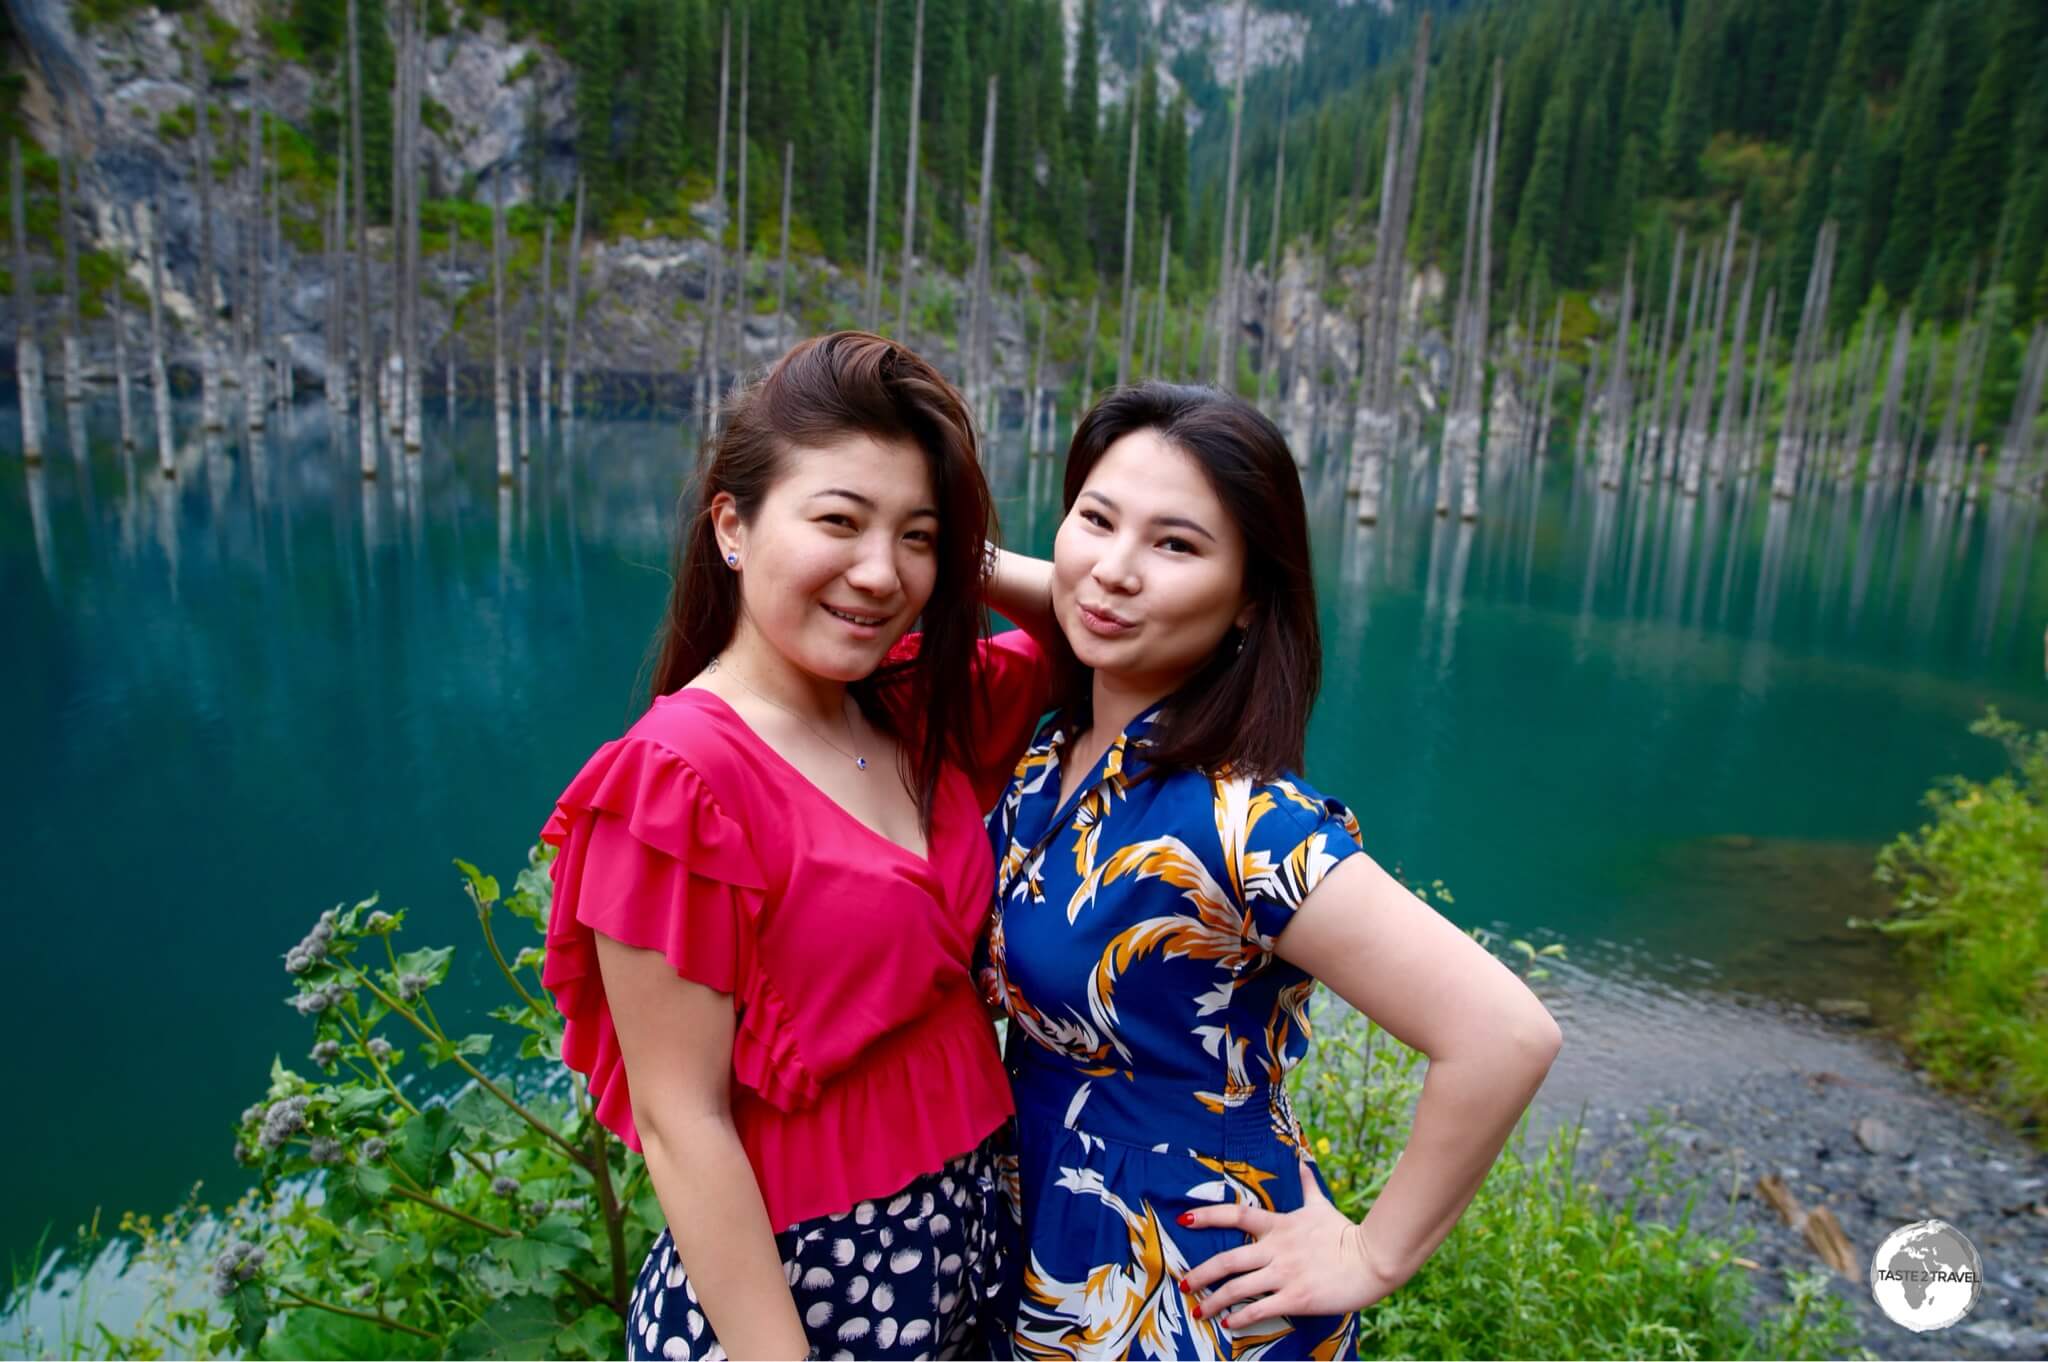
(1971, 908)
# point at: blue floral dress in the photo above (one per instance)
(1152, 1028)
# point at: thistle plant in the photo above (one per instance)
(402, 1214)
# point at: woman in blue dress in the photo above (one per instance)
(1169, 892)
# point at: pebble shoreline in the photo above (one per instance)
(1871, 1139)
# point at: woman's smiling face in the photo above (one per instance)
(839, 560)
(1148, 567)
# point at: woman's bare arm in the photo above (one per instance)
(676, 1036)
(1489, 1042)
(1020, 589)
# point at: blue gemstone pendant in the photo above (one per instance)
(861, 762)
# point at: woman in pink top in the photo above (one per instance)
(769, 891)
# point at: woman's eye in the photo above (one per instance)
(1174, 544)
(923, 537)
(836, 520)
(1095, 518)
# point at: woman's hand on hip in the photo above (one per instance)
(1314, 1261)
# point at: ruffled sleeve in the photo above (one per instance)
(647, 857)
(1296, 837)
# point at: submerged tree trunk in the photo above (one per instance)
(122, 393)
(159, 379)
(714, 296)
(1614, 421)
(1475, 386)
(67, 176)
(574, 269)
(909, 273)
(1226, 291)
(547, 315)
(978, 300)
(28, 356)
(1123, 336)
(501, 406)
(1269, 347)
(1885, 454)
(1654, 433)
(209, 357)
(739, 279)
(782, 259)
(871, 296)
(366, 382)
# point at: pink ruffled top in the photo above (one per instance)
(862, 1056)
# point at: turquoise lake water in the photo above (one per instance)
(1667, 733)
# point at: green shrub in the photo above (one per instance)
(1970, 903)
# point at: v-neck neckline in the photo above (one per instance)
(1126, 738)
(923, 858)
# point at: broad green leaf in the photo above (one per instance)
(432, 962)
(553, 1244)
(353, 1188)
(515, 1327)
(252, 1312)
(595, 1334)
(422, 1145)
(480, 1114)
(357, 1103)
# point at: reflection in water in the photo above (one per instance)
(370, 677)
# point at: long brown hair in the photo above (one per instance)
(1245, 709)
(824, 390)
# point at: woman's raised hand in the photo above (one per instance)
(1314, 1261)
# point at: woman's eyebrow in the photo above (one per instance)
(1170, 522)
(865, 503)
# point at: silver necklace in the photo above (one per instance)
(858, 760)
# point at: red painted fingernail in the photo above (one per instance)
(1197, 1308)
(1185, 1289)
(1187, 1218)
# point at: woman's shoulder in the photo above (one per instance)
(695, 734)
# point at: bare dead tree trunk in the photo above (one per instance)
(714, 296)
(1614, 421)
(366, 381)
(1791, 435)
(909, 272)
(739, 283)
(334, 344)
(1727, 443)
(871, 296)
(255, 400)
(1226, 290)
(1032, 440)
(1468, 494)
(415, 380)
(67, 176)
(209, 357)
(1693, 458)
(1269, 348)
(450, 360)
(1885, 455)
(1087, 390)
(1750, 455)
(1156, 361)
(1123, 338)
(574, 268)
(979, 301)
(547, 314)
(122, 391)
(28, 356)
(1655, 435)
(2017, 468)
(159, 379)
(501, 402)
(782, 261)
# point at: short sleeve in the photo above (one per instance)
(1295, 837)
(645, 856)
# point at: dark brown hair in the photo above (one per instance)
(824, 390)
(1242, 710)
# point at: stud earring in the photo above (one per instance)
(732, 560)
